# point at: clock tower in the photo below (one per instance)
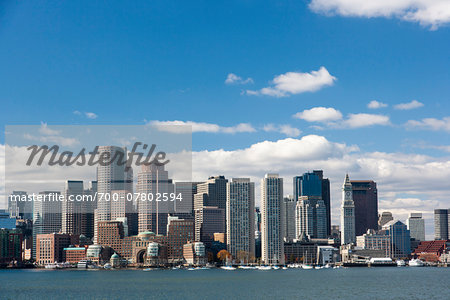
(347, 214)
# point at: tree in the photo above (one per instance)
(223, 255)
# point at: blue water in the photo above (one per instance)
(351, 283)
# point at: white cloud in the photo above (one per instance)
(430, 124)
(409, 105)
(288, 130)
(374, 104)
(319, 114)
(430, 13)
(365, 120)
(91, 115)
(187, 126)
(292, 83)
(235, 79)
(333, 118)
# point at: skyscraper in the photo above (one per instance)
(311, 217)
(152, 215)
(441, 224)
(416, 226)
(110, 176)
(46, 215)
(187, 190)
(210, 200)
(213, 192)
(272, 216)
(347, 214)
(313, 184)
(385, 217)
(240, 218)
(73, 211)
(365, 198)
(289, 204)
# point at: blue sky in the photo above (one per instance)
(132, 63)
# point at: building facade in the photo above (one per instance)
(416, 226)
(240, 218)
(272, 215)
(441, 224)
(365, 198)
(348, 234)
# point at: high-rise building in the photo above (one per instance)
(110, 176)
(46, 215)
(290, 204)
(441, 224)
(209, 220)
(19, 207)
(416, 226)
(400, 239)
(365, 198)
(10, 245)
(385, 217)
(179, 232)
(6, 221)
(311, 217)
(240, 218)
(73, 208)
(90, 207)
(314, 184)
(213, 192)
(152, 214)
(272, 215)
(187, 190)
(347, 214)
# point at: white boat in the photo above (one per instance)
(107, 266)
(400, 263)
(276, 267)
(416, 263)
(51, 266)
(228, 268)
(284, 268)
(247, 267)
(147, 269)
(318, 267)
(307, 267)
(327, 266)
(264, 268)
(191, 269)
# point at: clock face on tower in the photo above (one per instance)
(347, 194)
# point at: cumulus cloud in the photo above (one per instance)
(333, 118)
(187, 126)
(235, 79)
(365, 120)
(374, 104)
(319, 114)
(292, 83)
(430, 13)
(89, 115)
(409, 105)
(287, 130)
(430, 124)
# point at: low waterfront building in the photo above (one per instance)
(357, 255)
(94, 253)
(327, 255)
(374, 241)
(432, 251)
(50, 247)
(195, 254)
(74, 254)
(156, 255)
